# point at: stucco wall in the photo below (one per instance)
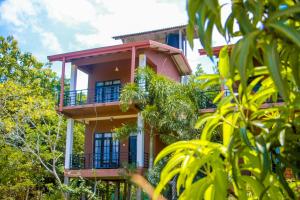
(165, 65)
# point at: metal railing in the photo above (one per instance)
(206, 98)
(104, 160)
(89, 96)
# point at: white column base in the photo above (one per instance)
(69, 142)
(138, 193)
(140, 141)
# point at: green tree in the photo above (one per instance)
(32, 133)
(259, 141)
(169, 109)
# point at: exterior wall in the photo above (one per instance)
(108, 126)
(158, 145)
(102, 127)
(106, 72)
(165, 65)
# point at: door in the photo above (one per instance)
(106, 151)
(132, 149)
(107, 91)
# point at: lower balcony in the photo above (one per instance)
(105, 160)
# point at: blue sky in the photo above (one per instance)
(46, 27)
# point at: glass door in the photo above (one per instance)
(107, 91)
(132, 149)
(106, 151)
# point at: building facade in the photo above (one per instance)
(98, 107)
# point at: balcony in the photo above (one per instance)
(104, 160)
(206, 99)
(90, 96)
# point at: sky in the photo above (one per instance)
(47, 27)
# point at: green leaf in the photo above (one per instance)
(245, 138)
(265, 158)
(229, 126)
(272, 61)
(284, 13)
(210, 193)
(256, 185)
(287, 31)
(224, 66)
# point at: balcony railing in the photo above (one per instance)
(104, 160)
(90, 96)
(206, 98)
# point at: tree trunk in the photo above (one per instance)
(107, 190)
(129, 192)
(27, 193)
(125, 190)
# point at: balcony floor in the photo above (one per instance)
(90, 112)
(108, 174)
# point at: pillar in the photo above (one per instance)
(180, 40)
(117, 191)
(140, 121)
(62, 85)
(70, 126)
(140, 126)
(73, 83)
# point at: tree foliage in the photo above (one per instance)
(260, 140)
(32, 134)
(168, 107)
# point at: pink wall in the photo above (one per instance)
(165, 65)
(106, 72)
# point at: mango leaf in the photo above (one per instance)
(245, 138)
(229, 126)
(265, 157)
(272, 61)
(256, 186)
(287, 31)
(224, 66)
(210, 193)
(284, 13)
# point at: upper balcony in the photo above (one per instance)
(104, 94)
(206, 104)
(108, 70)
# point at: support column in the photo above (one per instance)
(140, 121)
(140, 126)
(180, 40)
(132, 68)
(69, 142)
(70, 125)
(62, 85)
(73, 83)
(117, 191)
(140, 141)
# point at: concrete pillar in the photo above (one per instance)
(180, 40)
(70, 125)
(140, 121)
(138, 193)
(69, 142)
(117, 191)
(73, 83)
(140, 141)
(140, 125)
